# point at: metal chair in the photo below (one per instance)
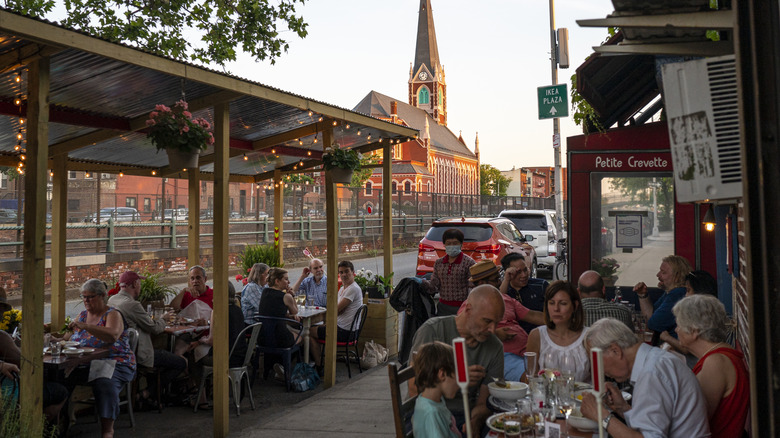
(269, 330)
(355, 329)
(236, 374)
(402, 408)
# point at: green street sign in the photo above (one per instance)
(553, 101)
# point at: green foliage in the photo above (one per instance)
(258, 254)
(582, 113)
(343, 158)
(638, 190)
(606, 267)
(10, 418)
(153, 289)
(11, 172)
(166, 27)
(492, 182)
(361, 175)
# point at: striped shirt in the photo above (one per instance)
(599, 308)
(451, 280)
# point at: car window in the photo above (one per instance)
(517, 236)
(471, 232)
(529, 222)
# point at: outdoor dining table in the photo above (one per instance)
(309, 315)
(573, 432)
(178, 330)
(65, 362)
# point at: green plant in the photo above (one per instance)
(153, 289)
(258, 254)
(387, 281)
(606, 267)
(10, 417)
(343, 158)
(174, 128)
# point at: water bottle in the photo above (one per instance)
(618, 296)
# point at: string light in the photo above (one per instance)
(154, 172)
(246, 158)
(358, 132)
(19, 135)
(335, 123)
(18, 101)
(51, 174)
(347, 125)
(18, 77)
(301, 163)
(273, 151)
(121, 174)
(86, 174)
(23, 157)
(17, 147)
(308, 153)
(369, 137)
(320, 119)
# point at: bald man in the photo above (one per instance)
(595, 305)
(476, 323)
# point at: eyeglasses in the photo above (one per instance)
(87, 297)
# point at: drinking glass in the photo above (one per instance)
(527, 419)
(56, 349)
(550, 362)
(565, 402)
(300, 299)
(512, 425)
(531, 369)
(568, 367)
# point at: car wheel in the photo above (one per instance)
(534, 269)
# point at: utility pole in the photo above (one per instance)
(556, 124)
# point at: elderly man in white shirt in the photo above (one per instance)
(667, 399)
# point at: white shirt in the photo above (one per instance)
(668, 401)
(355, 295)
(575, 350)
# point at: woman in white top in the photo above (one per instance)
(563, 332)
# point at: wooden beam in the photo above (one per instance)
(135, 124)
(387, 207)
(703, 48)
(279, 214)
(59, 219)
(709, 20)
(332, 225)
(24, 55)
(288, 169)
(193, 229)
(221, 227)
(33, 264)
(303, 131)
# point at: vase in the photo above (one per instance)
(609, 281)
(339, 175)
(179, 159)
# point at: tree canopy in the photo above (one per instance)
(165, 27)
(492, 182)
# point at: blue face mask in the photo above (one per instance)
(452, 250)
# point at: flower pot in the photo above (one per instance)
(339, 175)
(179, 159)
(610, 281)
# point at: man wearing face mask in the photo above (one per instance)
(450, 276)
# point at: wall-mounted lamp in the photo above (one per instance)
(709, 219)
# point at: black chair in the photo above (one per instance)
(269, 335)
(403, 408)
(354, 335)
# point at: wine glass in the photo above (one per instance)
(300, 299)
(549, 362)
(565, 402)
(568, 367)
(531, 369)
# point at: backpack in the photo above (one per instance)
(304, 377)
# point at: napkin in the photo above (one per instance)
(101, 369)
(201, 351)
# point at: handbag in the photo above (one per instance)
(304, 377)
(373, 355)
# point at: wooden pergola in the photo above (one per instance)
(85, 101)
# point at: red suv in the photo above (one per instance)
(484, 239)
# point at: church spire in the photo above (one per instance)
(476, 147)
(427, 87)
(427, 52)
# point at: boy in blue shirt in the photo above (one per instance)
(434, 375)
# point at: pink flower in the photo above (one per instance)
(187, 114)
(150, 122)
(186, 128)
(153, 114)
(182, 104)
(210, 140)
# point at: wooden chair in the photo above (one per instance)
(356, 328)
(402, 409)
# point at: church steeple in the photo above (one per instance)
(427, 87)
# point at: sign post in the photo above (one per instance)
(553, 101)
(597, 377)
(462, 376)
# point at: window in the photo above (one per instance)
(147, 205)
(369, 188)
(73, 204)
(424, 97)
(3, 181)
(395, 187)
(408, 187)
(131, 202)
(71, 174)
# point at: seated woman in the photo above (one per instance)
(702, 326)
(253, 291)
(100, 326)
(280, 304)
(563, 332)
(235, 325)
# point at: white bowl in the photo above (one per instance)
(584, 424)
(72, 352)
(516, 391)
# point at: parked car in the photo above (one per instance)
(118, 214)
(7, 216)
(179, 214)
(542, 225)
(484, 239)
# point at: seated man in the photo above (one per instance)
(667, 401)
(126, 301)
(316, 285)
(350, 298)
(592, 291)
(476, 322)
(518, 285)
(197, 290)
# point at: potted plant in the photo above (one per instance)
(606, 267)
(154, 291)
(182, 137)
(341, 162)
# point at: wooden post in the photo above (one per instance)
(59, 219)
(333, 280)
(387, 208)
(220, 273)
(279, 214)
(33, 264)
(193, 230)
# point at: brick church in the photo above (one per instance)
(438, 161)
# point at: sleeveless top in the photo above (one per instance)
(575, 350)
(272, 304)
(729, 417)
(119, 351)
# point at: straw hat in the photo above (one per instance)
(482, 270)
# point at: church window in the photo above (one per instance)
(440, 101)
(369, 188)
(395, 187)
(407, 187)
(424, 97)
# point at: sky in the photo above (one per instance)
(495, 53)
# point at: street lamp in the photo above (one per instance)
(709, 219)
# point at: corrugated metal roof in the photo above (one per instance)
(94, 88)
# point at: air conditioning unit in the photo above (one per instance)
(701, 100)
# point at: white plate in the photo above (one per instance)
(492, 419)
(46, 350)
(503, 406)
(582, 423)
(70, 344)
(72, 352)
(88, 350)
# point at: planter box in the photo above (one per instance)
(380, 327)
(380, 308)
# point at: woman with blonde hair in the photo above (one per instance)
(253, 291)
(671, 278)
(702, 328)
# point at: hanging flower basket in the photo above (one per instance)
(182, 137)
(341, 163)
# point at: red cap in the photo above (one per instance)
(129, 277)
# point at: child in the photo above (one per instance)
(434, 375)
